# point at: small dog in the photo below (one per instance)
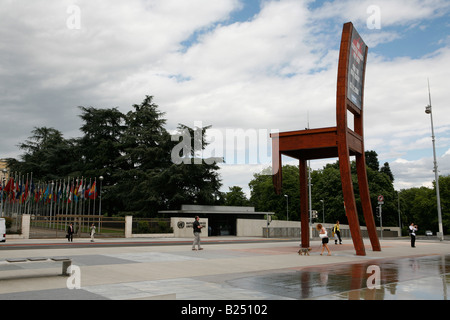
(304, 251)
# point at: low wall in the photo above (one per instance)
(292, 229)
(182, 227)
(25, 229)
(281, 232)
(254, 227)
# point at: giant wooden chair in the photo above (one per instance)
(339, 141)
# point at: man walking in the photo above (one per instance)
(70, 232)
(197, 230)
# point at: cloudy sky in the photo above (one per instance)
(246, 67)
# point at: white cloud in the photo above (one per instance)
(417, 173)
(276, 70)
(398, 12)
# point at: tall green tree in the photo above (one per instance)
(386, 169)
(236, 197)
(192, 179)
(46, 154)
(144, 145)
(444, 190)
(264, 199)
(419, 206)
(100, 148)
(326, 193)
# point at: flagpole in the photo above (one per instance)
(100, 199)
(89, 198)
(3, 189)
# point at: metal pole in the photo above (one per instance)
(381, 222)
(100, 206)
(398, 209)
(429, 111)
(323, 210)
(309, 198)
(51, 205)
(287, 207)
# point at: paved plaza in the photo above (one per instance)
(229, 268)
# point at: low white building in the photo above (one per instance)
(218, 220)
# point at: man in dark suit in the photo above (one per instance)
(70, 232)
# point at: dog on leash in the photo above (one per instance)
(304, 251)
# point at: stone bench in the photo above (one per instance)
(66, 262)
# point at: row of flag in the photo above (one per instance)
(24, 191)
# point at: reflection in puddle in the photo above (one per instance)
(420, 278)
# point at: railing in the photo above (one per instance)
(44, 226)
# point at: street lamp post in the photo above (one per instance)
(428, 110)
(323, 210)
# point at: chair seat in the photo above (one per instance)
(311, 144)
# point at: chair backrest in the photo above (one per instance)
(350, 82)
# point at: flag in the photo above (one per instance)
(81, 190)
(41, 193)
(37, 194)
(46, 193)
(69, 199)
(59, 191)
(25, 195)
(66, 190)
(32, 191)
(76, 192)
(9, 185)
(93, 192)
(18, 191)
(87, 190)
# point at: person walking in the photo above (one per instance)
(324, 236)
(337, 232)
(412, 232)
(197, 230)
(92, 232)
(70, 232)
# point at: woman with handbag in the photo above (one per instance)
(324, 236)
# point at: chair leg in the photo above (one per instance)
(365, 201)
(304, 218)
(350, 204)
(277, 176)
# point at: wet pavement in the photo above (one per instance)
(227, 269)
(415, 278)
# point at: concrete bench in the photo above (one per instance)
(66, 262)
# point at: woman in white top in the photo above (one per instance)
(324, 236)
(92, 232)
